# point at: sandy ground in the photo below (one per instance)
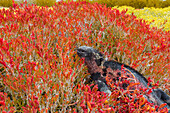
(3, 7)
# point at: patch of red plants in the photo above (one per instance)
(40, 70)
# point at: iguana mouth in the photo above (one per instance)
(80, 53)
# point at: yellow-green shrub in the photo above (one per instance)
(157, 17)
(133, 3)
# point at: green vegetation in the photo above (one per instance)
(44, 2)
(6, 3)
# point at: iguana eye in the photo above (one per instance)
(83, 51)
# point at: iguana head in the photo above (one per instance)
(93, 59)
(90, 55)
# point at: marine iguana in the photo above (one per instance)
(99, 68)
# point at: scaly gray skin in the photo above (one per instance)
(99, 69)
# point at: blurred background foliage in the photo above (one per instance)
(155, 12)
(138, 4)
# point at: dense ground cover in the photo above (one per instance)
(40, 70)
